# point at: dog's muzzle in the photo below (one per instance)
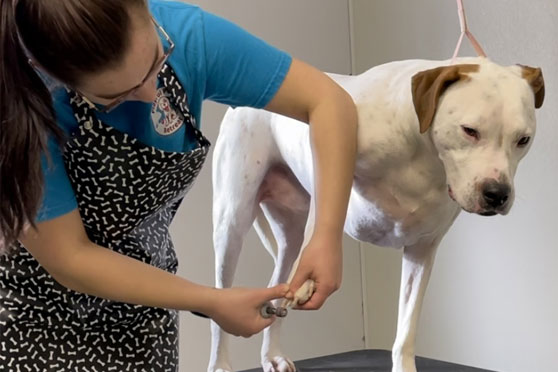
(495, 197)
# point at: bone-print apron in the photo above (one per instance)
(127, 194)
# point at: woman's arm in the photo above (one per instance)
(311, 96)
(62, 247)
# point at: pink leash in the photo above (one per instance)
(465, 32)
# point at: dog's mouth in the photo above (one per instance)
(450, 193)
(483, 212)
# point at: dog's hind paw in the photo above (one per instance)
(278, 364)
(220, 367)
(404, 365)
(219, 370)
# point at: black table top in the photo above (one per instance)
(371, 361)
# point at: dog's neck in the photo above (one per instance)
(395, 142)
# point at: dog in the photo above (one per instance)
(434, 138)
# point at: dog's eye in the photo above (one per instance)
(523, 141)
(471, 132)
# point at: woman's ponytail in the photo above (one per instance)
(26, 121)
(69, 39)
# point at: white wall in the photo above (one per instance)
(316, 31)
(493, 297)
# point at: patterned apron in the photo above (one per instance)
(127, 193)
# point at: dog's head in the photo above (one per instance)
(481, 119)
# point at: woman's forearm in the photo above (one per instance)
(309, 95)
(333, 134)
(101, 272)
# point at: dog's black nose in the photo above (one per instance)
(496, 194)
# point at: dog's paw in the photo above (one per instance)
(404, 365)
(412, 369)
(304, 292)
(278, 364)
(220, 367)
(219, 370)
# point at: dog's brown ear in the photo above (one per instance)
(429, 85)
(534, 77)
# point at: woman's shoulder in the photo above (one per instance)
(174, 13)
(63, 110)
(172, 4)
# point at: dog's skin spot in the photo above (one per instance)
(258, 162)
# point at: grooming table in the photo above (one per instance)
(371, 361)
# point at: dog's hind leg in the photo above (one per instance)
(280, 226)
(236, 180)
(289, 240)
(417, 265)
(231, 223)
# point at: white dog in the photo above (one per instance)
(433, 139)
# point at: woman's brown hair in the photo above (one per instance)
(67, 39)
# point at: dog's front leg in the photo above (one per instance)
(417, 266)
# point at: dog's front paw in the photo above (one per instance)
(304, 292)
(278, 364)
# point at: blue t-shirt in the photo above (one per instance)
(213, 59)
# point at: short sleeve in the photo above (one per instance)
(58, 195)
(241, 69)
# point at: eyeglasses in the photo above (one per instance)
(154, 71)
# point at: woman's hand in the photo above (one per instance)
(237, 310)
(322, 262)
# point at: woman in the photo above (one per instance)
(105, 161)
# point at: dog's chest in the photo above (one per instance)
(399, 207)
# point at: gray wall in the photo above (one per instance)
(316, 31)
(493, 297)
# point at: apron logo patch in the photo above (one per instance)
(166, 119)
